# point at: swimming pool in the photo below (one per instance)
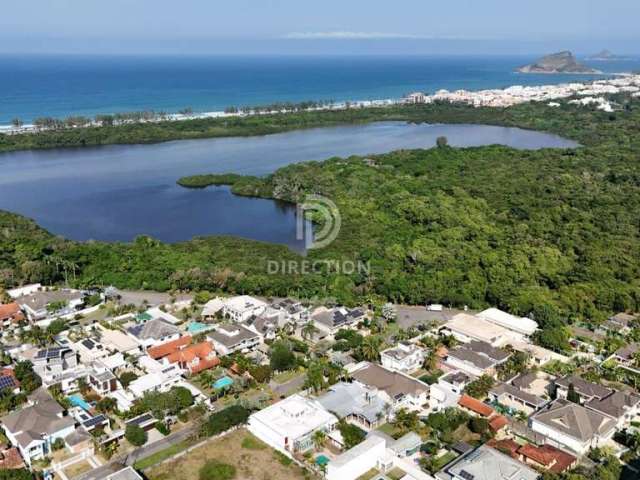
(198, 327)
(223, 382)
(322, 460)
(78, 401)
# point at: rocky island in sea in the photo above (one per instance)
(561, 62)
(605, 56)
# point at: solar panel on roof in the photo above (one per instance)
(97, 420)
(88, 343)
(466, 475)
(7, 382)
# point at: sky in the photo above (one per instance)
(318, 26)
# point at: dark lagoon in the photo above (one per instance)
(115, 193)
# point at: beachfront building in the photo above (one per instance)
(405, 357)
(289, 425)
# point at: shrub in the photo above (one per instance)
(215, 470)
(135, 435)
(223, 420)
(163, 428)
(478, 425)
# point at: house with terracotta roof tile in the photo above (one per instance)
(546, 457)
(10, 314)
(195, 358)
(475, 407)
(165, 349)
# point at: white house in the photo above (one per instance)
(569, 425)
(241, 308)
(395, 388)
(161, 381)
(477, 358)
(623, 407)
(465, 328)
(39, 303)
(522, 325)
(405, 357)
(358, 460)
(154, 332)
(34, 428)
(289, 425)
(228, 339)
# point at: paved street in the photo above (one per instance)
(119, 462)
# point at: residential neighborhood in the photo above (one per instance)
(343, 393)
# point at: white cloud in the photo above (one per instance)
(341, 35)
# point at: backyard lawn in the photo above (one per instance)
(252, 459)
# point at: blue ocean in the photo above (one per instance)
(59, 86)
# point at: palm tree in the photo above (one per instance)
(308, 330)
(371, 348)
(319, 438)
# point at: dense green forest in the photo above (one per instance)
(264, 124)
(554, 232)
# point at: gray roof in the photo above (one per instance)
(79, 435)
(524, 380)
(574, 420)
(39, 300)
(628, 351)
(399, 353)
(408, 441)
(44, 416)
(584, 388)
(456, 378)
(621, 319)
(153, 330)
(483, 348)
(502, 388)
(486, 463)
(479, 354)
(615, 404)
(394, 384)
(335, 318)
(346, 399)
(230, 340)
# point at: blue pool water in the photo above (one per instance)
(322, 460)
(78, 401)
(223, 382)
(198, 327)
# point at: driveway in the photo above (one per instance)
(138, 454)
(287, 388)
